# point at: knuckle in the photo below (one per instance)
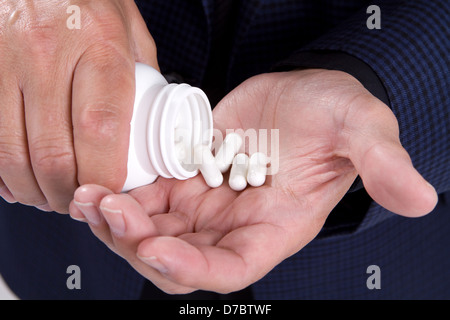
(107, 58)
(105, 23)
(108, 42)
(12, 156)
(49, 157)
(40, 40)
(30, 198)
(99, 122)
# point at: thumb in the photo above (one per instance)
(386, 168)
(144, 46)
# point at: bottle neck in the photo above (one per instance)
(180, 119)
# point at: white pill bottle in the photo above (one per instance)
(168, 121)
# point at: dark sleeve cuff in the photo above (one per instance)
(337, 60)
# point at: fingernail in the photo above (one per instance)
(7, 195)
(155, 263)
(115, 220)
(78, 219)
(76, 214)
(90, 211)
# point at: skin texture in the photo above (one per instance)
(67, 96)
(184, 236)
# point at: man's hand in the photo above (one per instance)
(184, 236)
(66, 96)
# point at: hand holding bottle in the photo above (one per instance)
(67, 97)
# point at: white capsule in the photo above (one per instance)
(207, 166)
(238, 173)
(230, 146)
(257, 169)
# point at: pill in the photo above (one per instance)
(229, 148)
(207, 166)
(257, 169)
(238, 173)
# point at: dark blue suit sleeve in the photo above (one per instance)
(409, 55)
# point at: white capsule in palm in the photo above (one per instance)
(257, 169)
(238, 173)
(207, 166)
(229, 148)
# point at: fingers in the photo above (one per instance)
(71, 124)
(63, 132)
(47, 95)
(233, 263)
(121, 223)
(85, 207)
(5, 193)
(18, 180)
(127, 221)
(116, 218)
(129, 225)
(385, 166)
(209, 259)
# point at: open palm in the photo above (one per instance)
(183, 235)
